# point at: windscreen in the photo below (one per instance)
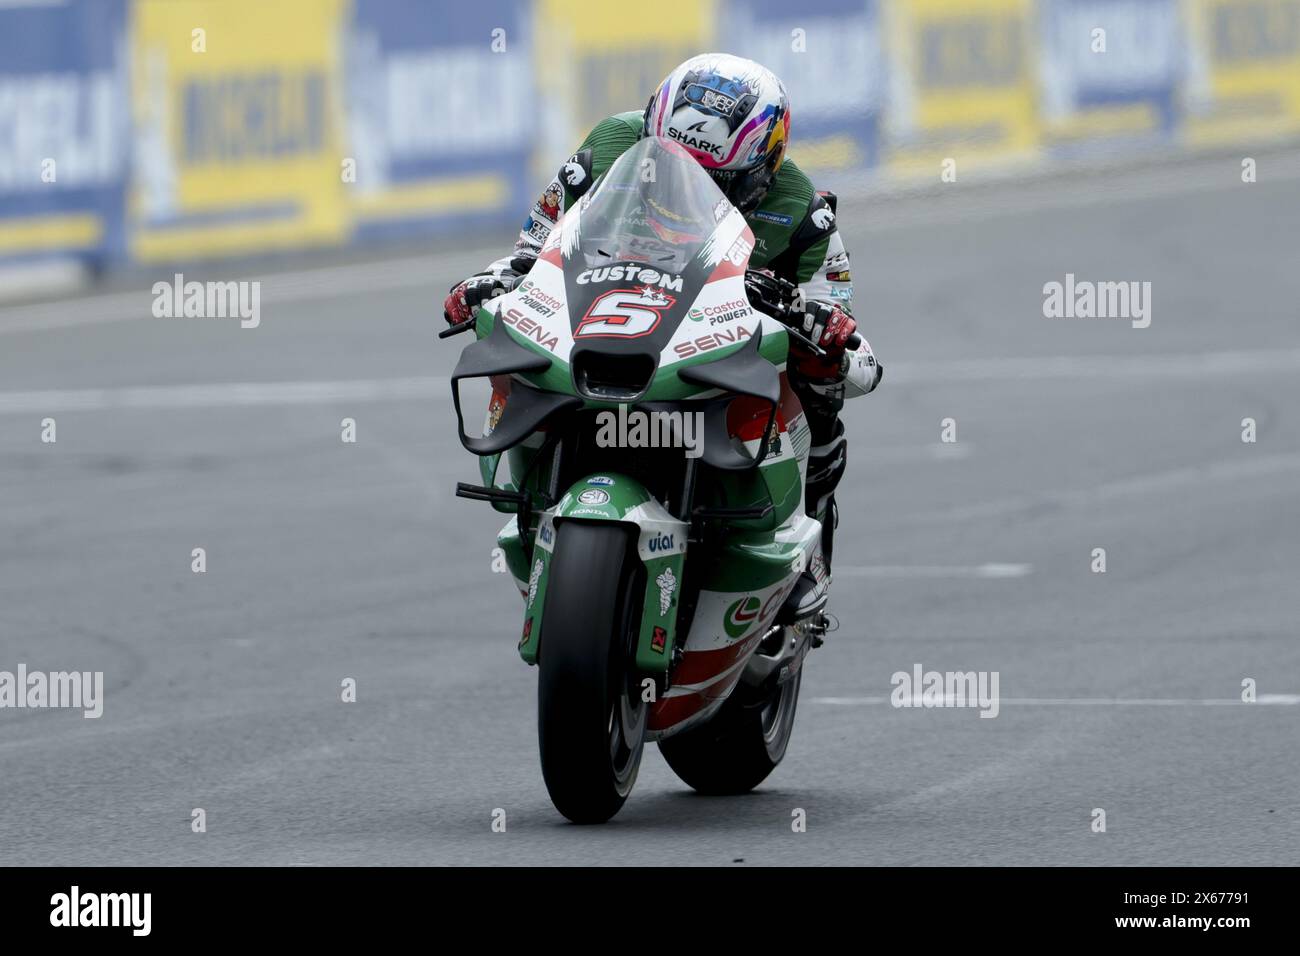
(655, 205)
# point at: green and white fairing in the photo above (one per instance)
(637, 303)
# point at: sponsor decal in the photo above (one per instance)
(549, 204)
(626, 313)
(600, 480)
(740, 251)
(594, 496)
(835, 260)
(632, 273)
(775, 217)
(823, 218)
(533, 297)
(530, 328)
(533, 577)
(546, 534)
(817, 567)
(667, 585)
(776, 600)
(495, 410)
(658, 640)
(714, 340)
(715, 100)
(695, 142)
(841, 293)
(588, 511)
(537, 229)
(720, 314)
(843, 276)
(773, 443)
(660, 542)
(528, 630)
(740, 616)
(721, 209)
(573, 173)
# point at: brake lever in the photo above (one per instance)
(458, 329)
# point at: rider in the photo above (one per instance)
(732, 115)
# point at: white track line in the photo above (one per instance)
(1275, 699)
(1196, 365)
(936, 571)
(306, 393)
(224, 395)
(303, 285)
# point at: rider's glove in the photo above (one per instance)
(839, 370)
(465, 297)
(830, 327)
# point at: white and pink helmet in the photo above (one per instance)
(732, 115)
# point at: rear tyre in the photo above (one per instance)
(590, 717)
(740, 745)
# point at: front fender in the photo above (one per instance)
(661, 548)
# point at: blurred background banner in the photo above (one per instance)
(64, 129)
(1243, 69)
(144, 131)
(961, 79)
(238, 133)
(1109, 72)
(837, 95)
(440, 115)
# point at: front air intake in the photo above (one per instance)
(603, 377)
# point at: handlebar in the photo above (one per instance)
(775, 297)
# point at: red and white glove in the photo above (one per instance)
(830, 327)
(465, 297)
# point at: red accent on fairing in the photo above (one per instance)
(699, 666)
(552, 255)
(728, 267)
(747, 418)
(671, 711)
(791, 408)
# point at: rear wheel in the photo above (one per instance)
(740, 745)
(591, 719)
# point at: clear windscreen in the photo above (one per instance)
(655, 205)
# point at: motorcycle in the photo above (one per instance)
(672, 586)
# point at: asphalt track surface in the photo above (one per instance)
(325, 560)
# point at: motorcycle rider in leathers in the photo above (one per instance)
(733, 116)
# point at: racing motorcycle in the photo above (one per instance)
(671, 585)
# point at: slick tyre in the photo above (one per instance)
(740, 745)
(590, 717)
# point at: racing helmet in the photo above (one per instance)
(732, 115)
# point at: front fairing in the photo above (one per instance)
(643, 277)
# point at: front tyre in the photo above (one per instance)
(739, 745)
(591, 719)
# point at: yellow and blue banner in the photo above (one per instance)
(962, 83)
(65, 136)
(153, 130)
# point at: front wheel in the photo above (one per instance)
(591, 719)
(735, 750)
